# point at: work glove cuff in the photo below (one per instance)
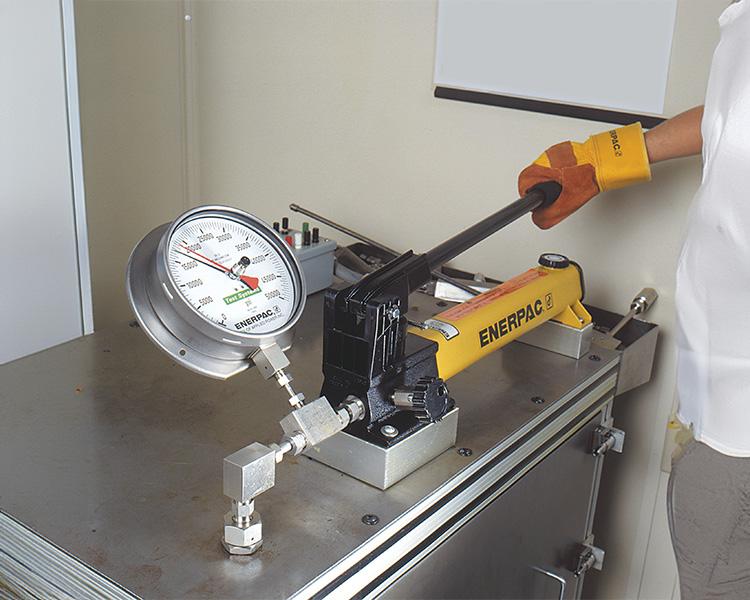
(620, 157)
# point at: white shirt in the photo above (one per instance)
(713, 276)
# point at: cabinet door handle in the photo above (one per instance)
(558, 578)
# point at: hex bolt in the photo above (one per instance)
(371, 519)
(537, 400)
(389, 431)
(465, 451)
(595, 357)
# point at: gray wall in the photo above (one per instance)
(130, 80)
(329, 104)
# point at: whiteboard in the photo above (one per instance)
(612, 54)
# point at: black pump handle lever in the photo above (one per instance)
(541, 195)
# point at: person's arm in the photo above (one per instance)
(607, 161)
(676, 137)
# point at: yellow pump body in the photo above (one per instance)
(470, 331)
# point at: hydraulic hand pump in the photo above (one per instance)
(398, 370)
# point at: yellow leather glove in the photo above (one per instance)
(605, 161)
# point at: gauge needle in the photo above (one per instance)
(251, 282)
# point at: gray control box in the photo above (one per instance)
(316, 261)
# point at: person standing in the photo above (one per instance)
(709, 486)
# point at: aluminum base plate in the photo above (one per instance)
(559, 338)
(382, 467)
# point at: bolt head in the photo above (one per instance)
(465, 451)
(241, 550)
(242, 540)
(371, 519)
(389, 431)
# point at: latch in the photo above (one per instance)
(607, 438)
(590, 557)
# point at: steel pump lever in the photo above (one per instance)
(542, 195)
(363, 238)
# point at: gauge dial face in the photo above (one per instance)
(232, 274)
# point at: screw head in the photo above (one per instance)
(465, 451)
(595, 357)
(537, 400)
(371, 519)
(389, 431)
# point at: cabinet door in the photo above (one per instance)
(539, 523)
(43, 250)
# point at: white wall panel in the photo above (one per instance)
(41, 300)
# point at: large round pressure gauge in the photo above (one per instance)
(213, 286)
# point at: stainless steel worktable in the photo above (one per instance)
(114, 454)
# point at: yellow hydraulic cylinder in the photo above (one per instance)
(470, 331)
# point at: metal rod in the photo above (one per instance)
(624, 321)
(461, 242)
(342, 229)
(640, 304)
(362, 238)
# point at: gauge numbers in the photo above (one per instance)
(232, 274)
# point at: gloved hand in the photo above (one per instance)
(605, 161)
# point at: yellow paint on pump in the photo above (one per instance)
(470, 331)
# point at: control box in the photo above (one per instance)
(314, 253)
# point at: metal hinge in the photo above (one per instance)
(607, 438)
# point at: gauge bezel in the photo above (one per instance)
(266, 232)
(176, 327)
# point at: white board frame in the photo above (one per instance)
(471, 68)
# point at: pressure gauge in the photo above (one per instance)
(213, 287)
